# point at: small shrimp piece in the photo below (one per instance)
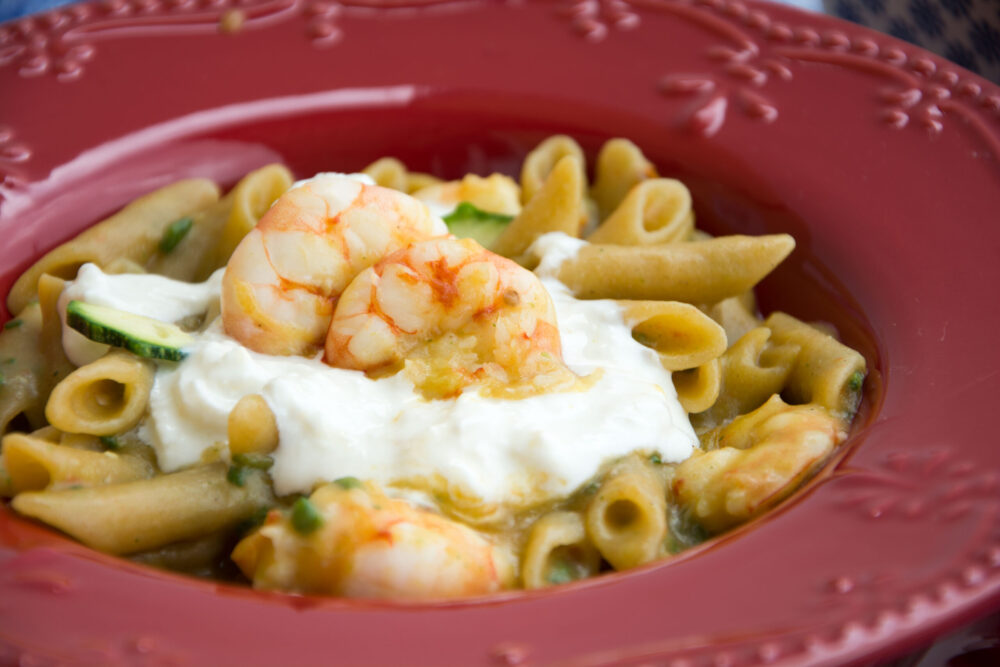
(754, 462)
(360, 543)
(283, 280)
(498, 313)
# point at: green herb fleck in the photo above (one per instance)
(237, 475)
(674, 546)
(855, 381)
(110, 443)
(13, 324)
(591, 488)
(305, 517)
(655, 458)
(9, 360)
(3, 380)
(348, 483)
(469, 211)
(175, 233)
(257, 461)
(560, 572)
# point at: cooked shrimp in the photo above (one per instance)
(755, 462)
(452, 300)
(283, 280)
(360, 543)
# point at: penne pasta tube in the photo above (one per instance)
(388, 172)
(558, 207)
(627, 517)
(695, 272)
(105, 397)
(252, 428)
(542, 160)
(200, 556)
(50, 337)
(737, 314)
(250, 198)
(827, 372)
(620, 166)
(654, 211)
(27, 372)
(753, 369)
(134, 232)
(558, 551)
(682, 335)
(34, 464)
(698, 388)
(148, 514)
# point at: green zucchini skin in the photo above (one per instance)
(142, 336)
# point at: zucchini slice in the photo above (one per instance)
(467, 221)
(142, 336)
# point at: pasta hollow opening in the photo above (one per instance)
(622, 515)
(102, 399)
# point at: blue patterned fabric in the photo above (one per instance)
(967, 32)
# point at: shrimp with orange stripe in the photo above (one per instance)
(283, 280)
(453, 314)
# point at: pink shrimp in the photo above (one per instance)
(419, 295)
(283, 281)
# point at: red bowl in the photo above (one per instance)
(882, 160)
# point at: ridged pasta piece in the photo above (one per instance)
(252, 428)
(754, 462)
(198, 557)
(737, 314)
(105, 397)
(34, 464)
(389, 172)
(826, 372)
(148, 514)
(134, 232)
(542, 160)
(753, 369)
(556, 208)
(495, 193)
(250, 199)
(654, 211)
(620, 166)
(627, 517)
(698, 388)
(682, 335)
(694, 272)
(29, 373)
(558, 551)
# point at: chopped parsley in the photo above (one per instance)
(237, 475)
(305, 517)
(257, 461)
(110, 443)
(348, 483)
(855, 381)
(655, 458)
(13, 324)
(175, 233)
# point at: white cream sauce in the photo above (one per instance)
(335, 423)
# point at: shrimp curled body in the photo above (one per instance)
(370, 546)
(283, 280)
(431, 289)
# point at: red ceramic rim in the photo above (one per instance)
(881, 159)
